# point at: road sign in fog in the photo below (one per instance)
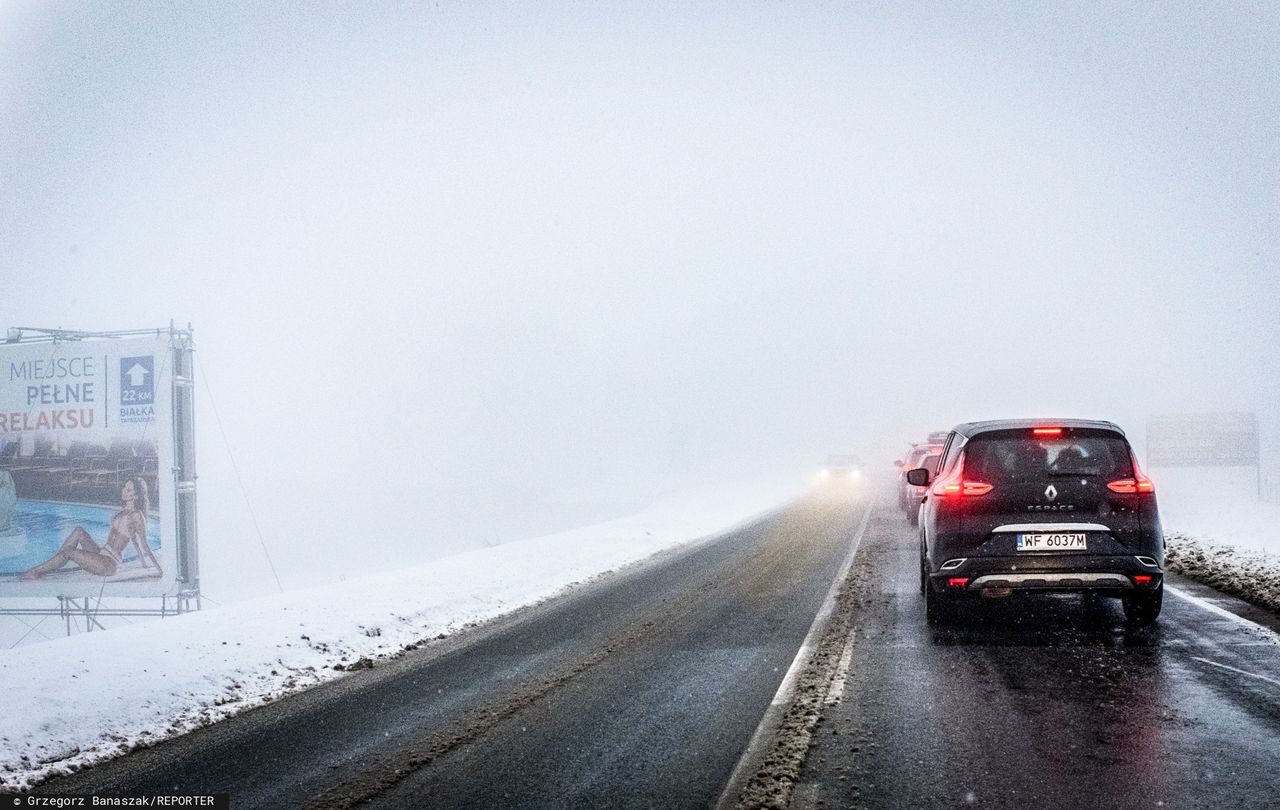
(1203, 440)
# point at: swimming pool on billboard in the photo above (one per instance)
(38, 529)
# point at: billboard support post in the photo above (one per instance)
(184, 458)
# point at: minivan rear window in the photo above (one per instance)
(1017, 455)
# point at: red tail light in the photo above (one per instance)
(1139, 483)
(957, 582)
(1047, 431)
(1141, 579)
(954, 483)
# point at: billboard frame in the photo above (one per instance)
(1248, 418)
(72, 607)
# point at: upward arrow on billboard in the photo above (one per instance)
(137, 375)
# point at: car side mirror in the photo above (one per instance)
(919, 477)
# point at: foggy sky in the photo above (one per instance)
(457, 270)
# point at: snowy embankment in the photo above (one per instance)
(74, 701)
(1228, 542)
(1252, 576)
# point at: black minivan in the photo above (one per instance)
(1039, 505)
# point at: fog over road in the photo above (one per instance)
(645, 688)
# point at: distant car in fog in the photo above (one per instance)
(842, 467)
(915, 495)
(1033, 505)
(908, 498)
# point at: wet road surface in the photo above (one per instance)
(1048, 701)
(640, 690)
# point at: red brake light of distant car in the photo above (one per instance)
(957, 582)
(1047, 431)
(1141, 579)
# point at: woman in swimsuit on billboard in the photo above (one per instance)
(129, 525)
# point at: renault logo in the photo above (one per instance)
(1051, 492)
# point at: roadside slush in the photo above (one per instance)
(1251, 576)
(778, 766)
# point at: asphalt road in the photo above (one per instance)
(1045, 701)
(640, 690)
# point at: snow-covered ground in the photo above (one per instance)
(1219, 534)
(1251, 575)
(73, 701)
(1218, 505)
(1224, 538)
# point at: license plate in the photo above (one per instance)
(1051, 541)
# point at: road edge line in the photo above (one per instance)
(1267, 632)
(835, 691)
(762, 740)
(1271, 681)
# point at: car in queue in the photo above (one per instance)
(1039, 505)
(916, 494)
(908, 498)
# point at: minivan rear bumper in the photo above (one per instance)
(1049, 572)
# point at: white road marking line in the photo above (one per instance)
(1233, 669)
(762, 740)
(1267, 632)
(836, 691)
(786, 690)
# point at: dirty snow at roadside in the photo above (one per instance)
(74, 701)
(1234, 548)
(1220, 535)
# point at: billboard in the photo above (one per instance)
(88, 501)
(1203, 440)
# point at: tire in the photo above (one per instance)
(913, 516)
(938, 607)
(1144, 606)
(924, 577)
